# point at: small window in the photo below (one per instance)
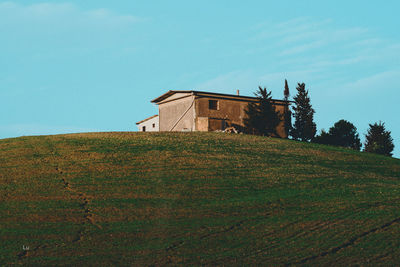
(154, 125)
(213, 104)
(143, 128)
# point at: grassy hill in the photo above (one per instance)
(194, 198)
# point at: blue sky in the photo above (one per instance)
(95, 65)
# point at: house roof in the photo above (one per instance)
(211, 94)
(149, 118)
(168, 94)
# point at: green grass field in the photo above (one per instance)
(103, 199)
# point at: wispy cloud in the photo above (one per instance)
(384, 82)
(303, 34)
(59, 12)
(316, 52)
(313, 39)
(248, 80)
(342, 67)
(56, 29)
(302, 48)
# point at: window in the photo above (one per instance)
(154, 125)
(143, 128)
(213, 104)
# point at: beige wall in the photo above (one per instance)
(202, 124)
(171, 113)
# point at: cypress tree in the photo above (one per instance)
(378, 140)
(261, 117)
(287, 112)
(286, 92)
(304, 128)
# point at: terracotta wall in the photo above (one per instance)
(232, 112)
(227, 109)
(281, 126)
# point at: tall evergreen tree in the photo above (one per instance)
(304, 128)
(378, 140)
(288, 114)
(343, 133)
(286, 92)
(261, 117)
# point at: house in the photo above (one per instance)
(150, 124)
(205, 111)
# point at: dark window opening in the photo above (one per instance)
(213, 104)
(144, 128)
(154, 125)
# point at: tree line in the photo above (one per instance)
(298, 116)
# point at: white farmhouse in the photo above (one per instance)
(150, 124)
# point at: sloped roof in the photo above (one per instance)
(202, 93)
(149, 118)
(168, 94)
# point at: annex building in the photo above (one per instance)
(203, 111)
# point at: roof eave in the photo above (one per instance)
(171, 92)
(149, 118)
(167, 94)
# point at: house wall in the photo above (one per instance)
(230, 110)
(230, 113)
(201, 124)
(177, 115)
(149, 125)
(280, 129)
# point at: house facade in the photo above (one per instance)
(150, 124)
(206, 111)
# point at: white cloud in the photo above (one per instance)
(332, 61)
(247, 81)
(61, 13)
(303, 34)
(105, 14)
(45, 31)
(4, 5)
(302, 48)
(45, 9)
(383, 81)
(309, 40)
(294, 30)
